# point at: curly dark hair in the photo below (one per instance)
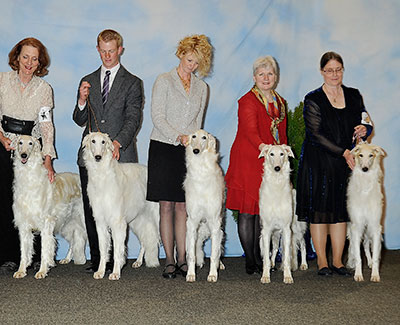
(44, 59)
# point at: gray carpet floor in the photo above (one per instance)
(71, 296)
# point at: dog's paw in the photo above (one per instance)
(190, 277)
(98, 275)
(19, 275)
(288, 280)
(358, 277)
(265, 279)
(64, 261)
(221, 266)
(303, 267)
(79, 261)
(375, 278)
(137, 264)
(114, 276)
(212, 278)
(40, 275)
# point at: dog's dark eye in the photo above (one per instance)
(93, 141)
(103, 142)
(371, 155)
(271, 154)
(204, 137)
(194, 136)
(20, 143)
(281, 153)
(361, 155)
(30, 143)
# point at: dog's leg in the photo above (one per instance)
(118, 231)
(265, 244)
(191, 234)
(48, 248)
(367, 249)
(139, 261)
(26, 243)
(287, 274)
(104, 246)
(294, 251)
(275, 247)
(203, 233)
(354, 251)
(78, 246)
(68, 257)
(216, 240)
(376, 253)
(303, 252)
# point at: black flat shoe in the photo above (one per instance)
(9, 267)
(179, 270)
(171, 274)
(251, 269)
(325, 272)
(92, 268)
(341, 271)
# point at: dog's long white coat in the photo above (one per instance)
(117, 194)
(204, 189)
(364, 205)
(49, 208)
(276, 207)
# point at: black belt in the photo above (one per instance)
(16, 126)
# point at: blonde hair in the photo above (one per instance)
(267, 62)
(201, 48)
(108, 35)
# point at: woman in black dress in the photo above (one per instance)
(334, 117)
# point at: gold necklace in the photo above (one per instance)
(330, 95)
(185, 83)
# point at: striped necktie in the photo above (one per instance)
(106, 87)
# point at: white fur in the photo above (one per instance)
(298, 229)
(364, 205)
(45, 207)
(204, 188)
(276, 207)
(117, 194)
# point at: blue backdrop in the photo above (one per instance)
(296, 33)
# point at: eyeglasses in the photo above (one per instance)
(330, 72)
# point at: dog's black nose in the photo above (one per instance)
(365, 169)
(97, 157)
(196, 151)
(24, 155)
(277, 168)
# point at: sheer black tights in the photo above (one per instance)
(249, 234)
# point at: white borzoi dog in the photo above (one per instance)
(364, 205)
(298, 242)
(117, 194)
(49, 208)
(205, 191)
(276, 207)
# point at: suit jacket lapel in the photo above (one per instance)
(95, 91)
(119, 78)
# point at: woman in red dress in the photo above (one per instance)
(261, 120)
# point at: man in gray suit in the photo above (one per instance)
(110, 100)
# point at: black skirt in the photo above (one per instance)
(166, 172)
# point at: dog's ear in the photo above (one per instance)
(212, 143)
(15, 142)
(288, 150)
(263, 150)
(85, 140)
(109, 143)
(355, 150)
(36, 145)
(379, 151)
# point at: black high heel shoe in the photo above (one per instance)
(171, 274)
(180, 271)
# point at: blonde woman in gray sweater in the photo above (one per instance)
(178, 103)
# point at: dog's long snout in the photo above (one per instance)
(277, 168)
(24, 155)
(365, 169)
(196, 151)
(97, 157)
